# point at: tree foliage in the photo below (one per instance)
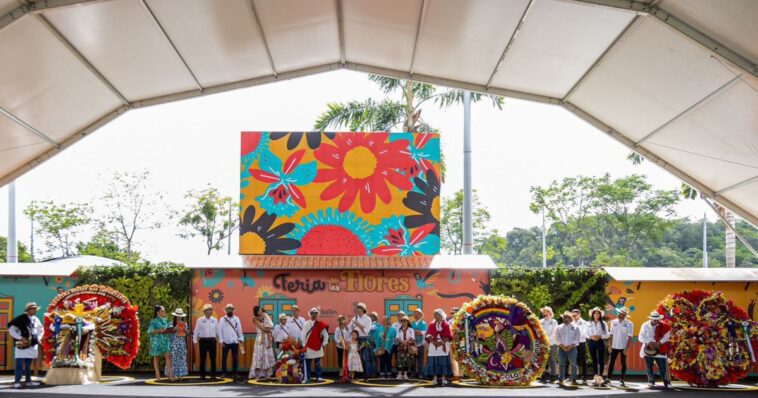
(105, 244)
(209, 216)
(60, 224)
(451, 225)
(146, 285)
(23, 253)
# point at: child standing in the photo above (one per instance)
(354, 356)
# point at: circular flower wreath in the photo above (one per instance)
(500, 341)
(708, 338)
(120, 324)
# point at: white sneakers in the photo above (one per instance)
(32, 384)
(17, 385)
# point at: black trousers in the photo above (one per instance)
(581, 359)
(615, 353)
(207, 348)
(340, 356)
(234, 348)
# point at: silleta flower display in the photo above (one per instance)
(713, 341)
(500, 341)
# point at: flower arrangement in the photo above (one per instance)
(287, 369)
(116, 325)
(713, 341)
(500, 341)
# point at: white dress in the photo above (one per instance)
(354, 359)
(263, 353)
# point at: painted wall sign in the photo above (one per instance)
(352, 193)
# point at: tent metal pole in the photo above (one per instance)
(11, 252)
(468, 236)
(731, 227)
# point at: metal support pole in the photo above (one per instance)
(544, 241)
(12, 243)
(730, 225)
(705, 241)
(229, 238)
(468, 236)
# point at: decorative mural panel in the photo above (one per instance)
(335, 291)
(353, 193)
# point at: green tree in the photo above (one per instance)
(60, 224)
(209, 216)
(601, 221)
(23, 253)
(451, 224)
(105, 244)
(131, 205)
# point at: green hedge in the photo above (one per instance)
(146, 285)
(561, 288)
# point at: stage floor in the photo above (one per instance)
(138, 386)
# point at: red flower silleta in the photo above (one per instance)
(363, 163)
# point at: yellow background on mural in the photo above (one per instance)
(350, 193)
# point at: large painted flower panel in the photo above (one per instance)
(362, 166)
(282, 196)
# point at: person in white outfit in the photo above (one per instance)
(654, 336)
(581, 349)
(622, 331)
(26, 331)
(315, 338)
(296, 323)
(231, 339)
(549, 325)
(597, 333)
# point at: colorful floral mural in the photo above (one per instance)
(353, 193)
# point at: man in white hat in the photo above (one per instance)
(654, 336)
(231, 338)
(396, 325)
(622, 331)
(26, 331)
(205, 336)
(549, 325)
(281, 332)
(296, 322)
(567, 336)
(315, 338)
(581, 349)
(419, 330)
(361, 324)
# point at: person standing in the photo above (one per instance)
(597, 333)
(438, 338)
(296, 323)
(581, 349)
(453, 362)
(654, 336)
(159, 331)
(263, 351)
(385, 340)
(549, 325)
(281, 333)
(341, 340)
(354, 357)
(622, 331)
(396, 325)
(406, 349)
(205, 336)
(178, 345)
(419, 329)
(362, 324)
(231, 338)
(26, 331)
(315, 338)
(568, 337)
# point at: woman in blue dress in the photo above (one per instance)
(159, 331)
(178, 346)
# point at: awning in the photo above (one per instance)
(673, 80)
(650, 274)
(480, 262)
(65, 266)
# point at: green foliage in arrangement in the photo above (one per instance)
(561, 288)
(146, 285)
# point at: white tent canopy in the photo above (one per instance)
(673, 80)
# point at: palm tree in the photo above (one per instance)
(389, 113)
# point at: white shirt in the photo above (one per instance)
(567, 334)
(598, 329)
(230, 330)
(296, 326)
(364, 321)
(205, 328)
(309, 353)
(409, 334)
(622, 332)
(342, 333)
(549, 327)
(647, 335)
(583, 328)
(36, 330)
(396, 326)
(283, 332)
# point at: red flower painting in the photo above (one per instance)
(362, 165)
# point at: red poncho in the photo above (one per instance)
(444, 334)
(314, 335)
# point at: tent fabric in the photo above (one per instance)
(673, 80)
(653, 274)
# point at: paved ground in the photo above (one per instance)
(138, 388)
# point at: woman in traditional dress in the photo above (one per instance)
(406, 348)
(263, 353)
(438, 337)
(159, 331)
(385, 340)
(178, 345)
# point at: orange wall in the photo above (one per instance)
(335, 291)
